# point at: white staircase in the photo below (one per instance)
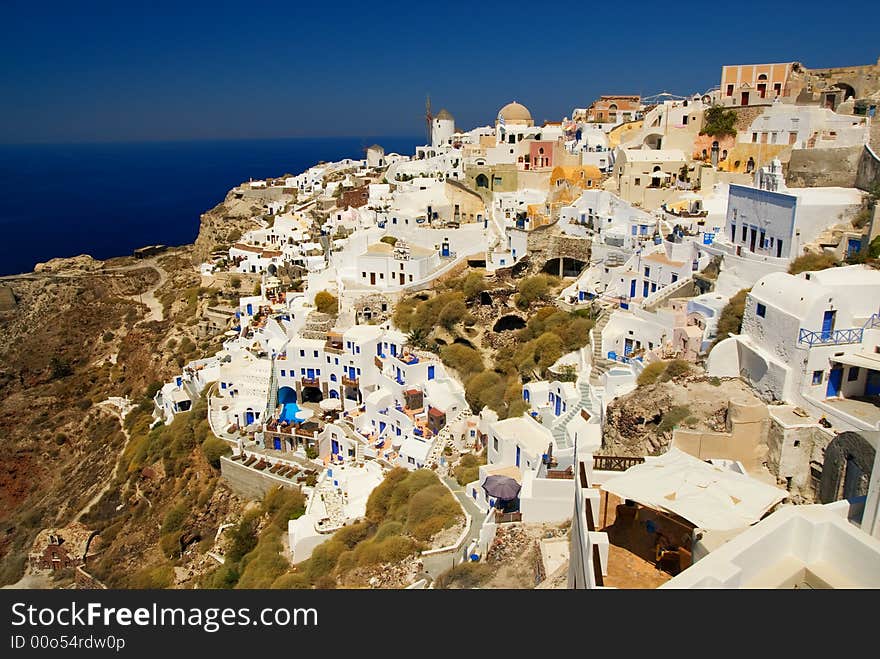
(585, 403)
(600, 362)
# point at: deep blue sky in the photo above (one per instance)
(120, 71)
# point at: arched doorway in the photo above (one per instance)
(656, 177)
(249, 417)
(334, 393)
(286, 395)
(848, 91)
(482, 181)
(312, 395)
(846, 471)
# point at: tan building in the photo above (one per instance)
(755, 84)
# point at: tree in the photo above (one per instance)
(719, 122)
(326, 302)
(214, 448)
(235, 282)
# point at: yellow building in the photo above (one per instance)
(585, 177)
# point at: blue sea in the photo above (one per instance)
(108, 199)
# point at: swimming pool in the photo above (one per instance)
(288, 412)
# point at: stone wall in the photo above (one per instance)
(868, 169)
(846, 446)
(547, 243)
(249, 483)
(809, 168)
(793, 453)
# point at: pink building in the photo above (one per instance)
(540, 155)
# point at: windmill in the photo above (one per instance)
(428, 118)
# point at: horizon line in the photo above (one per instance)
(205, 139)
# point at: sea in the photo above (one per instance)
(107, 199)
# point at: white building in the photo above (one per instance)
(811, 340)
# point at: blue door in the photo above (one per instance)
(517, 456)
(248, 417)
(558, 410)
(310, 373)
(834, 380)
(250, 310)
(632, 288)
(627, 347)
(853, 246)
(430, 372)
(644, 289)
(277, 443)
(828, 324)
(334, 447)
(393, 349)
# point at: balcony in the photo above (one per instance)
(832, 337)
(333, 347)
(311, 382)
(350, 382)
(838, 337)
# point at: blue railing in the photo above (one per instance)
(831, 337)
(838, 337)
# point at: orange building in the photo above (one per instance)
(754, 84)
(585, 177)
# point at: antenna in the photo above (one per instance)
(428, 117)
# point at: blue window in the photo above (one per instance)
(302, 353)
(817, 377)
(283, 373)
(674, 278)
(647, 272)
(761, 310)
(333, 377)
(223, 385)
(357, 350)
(316, 353)
(635, 230)
(853, 374)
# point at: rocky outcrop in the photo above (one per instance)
(239, 212)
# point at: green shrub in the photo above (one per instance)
(531, 289)
(452, 313)
(673, 417)
(326, 302)
(391, 240)
(175, 518)
(465, 360)
(465, 575)
(811, 263)
(651, 373)
(719, 122)
(292, 581)
(152, 578)
(214, 448)
(730, 320)
(676, 368)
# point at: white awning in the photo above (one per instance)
(860, 359)
(708, 496)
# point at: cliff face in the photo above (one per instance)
(237, 213)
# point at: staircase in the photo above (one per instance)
(585, 403)
(444, 437)
(600, 362)
(273, 393)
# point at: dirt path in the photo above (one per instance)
(148, 297)
(119, 410)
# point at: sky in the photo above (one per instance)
(120, 71)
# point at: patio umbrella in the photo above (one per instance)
(501, 487)
(303, 414)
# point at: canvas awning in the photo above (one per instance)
(859, 359)
(708, 496)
